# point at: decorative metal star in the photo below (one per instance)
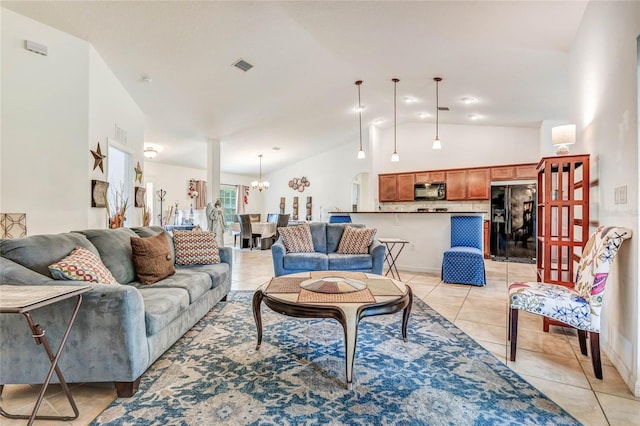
(98, 156)
(138, 171)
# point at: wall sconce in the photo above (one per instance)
(561, 136)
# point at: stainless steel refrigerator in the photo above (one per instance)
(513, 222)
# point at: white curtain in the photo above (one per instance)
(242, 191)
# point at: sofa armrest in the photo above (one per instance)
(226, 256)
(377, 251)
(107, 342)
(278, 250)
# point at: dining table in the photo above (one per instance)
(265, 229)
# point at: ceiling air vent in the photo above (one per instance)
(242, 65)
(443, 108)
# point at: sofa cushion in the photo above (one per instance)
(39, 251)
(194, 282)
(319, 236)
(297, 239)
(356, 240)
(195, 248)
(152, 258)
(114, 246)
(218, 273)
(150, 231)
(306, 261)
(349, 262)
(162, 305)
(334, 235)
(82, 265)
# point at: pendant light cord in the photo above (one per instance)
(395, 103)
(437, 109)
(359, 82)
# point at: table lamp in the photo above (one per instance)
(561, 136)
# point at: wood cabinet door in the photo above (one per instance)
(406, 182)
(456, 185)
(502, 173)
(478, 184)
(526, 172)
(423, 177)
(437, 176)
(387, 188)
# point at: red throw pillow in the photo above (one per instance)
(297, 239)
(195, 248)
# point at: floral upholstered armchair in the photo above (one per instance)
(579, 306)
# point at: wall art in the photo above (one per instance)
(299, 184)
(138, 171)
(98, 158)
(139, 197)
(13, 225)
(99, 193)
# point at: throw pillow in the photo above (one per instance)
(82, 265)
(356, 240)
(152, 258)
(195, 248)
(297, 239)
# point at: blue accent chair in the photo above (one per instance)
(463, 263)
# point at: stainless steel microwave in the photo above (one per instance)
(429, 191)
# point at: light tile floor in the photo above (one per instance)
(551, 362)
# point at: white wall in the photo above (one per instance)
(55, 109)
(44, 127)
(462, 146)
(331, 175)
(111, 104)
(604, 105)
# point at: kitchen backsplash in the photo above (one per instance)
(461, 206)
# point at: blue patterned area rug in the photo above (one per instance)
(214, 376)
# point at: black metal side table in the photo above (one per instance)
(391, 257)
(22, 299)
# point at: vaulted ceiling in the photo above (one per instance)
(300, 96)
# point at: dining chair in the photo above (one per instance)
(463, 263)
(578, 307)
(255, 217)
(246, 232)
(272, 217)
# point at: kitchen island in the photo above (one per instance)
(428, 234)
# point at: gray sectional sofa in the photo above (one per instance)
(326, 238)
(120, 330)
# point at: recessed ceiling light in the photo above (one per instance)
(409, 99)
(276, 148)
(378, 121)
(473, 116)
(424, 115)
(468, 100)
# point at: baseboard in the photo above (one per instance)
(628, 376)
(410, 268)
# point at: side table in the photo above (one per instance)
(22, 299)
(391, 257)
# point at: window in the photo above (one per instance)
(229, 203)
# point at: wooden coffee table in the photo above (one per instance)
(381, 296)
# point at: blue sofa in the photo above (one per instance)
(120, 330)
(326, 238)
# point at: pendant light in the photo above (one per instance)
(436, 141)
(394, 157)
(361, 154)
(260, 184)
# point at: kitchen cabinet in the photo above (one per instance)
(468, 184)
(429, 177)
(526, 172)
(456, 181)
(478, 184)
(502, 173)
(563, 219)
(387, 188)
(405, 182)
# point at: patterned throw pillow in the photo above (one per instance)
(356, 240)
(195, 248)
(297, 239)
(152, 258)
(82, 265)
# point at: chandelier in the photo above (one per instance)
(260, 184)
